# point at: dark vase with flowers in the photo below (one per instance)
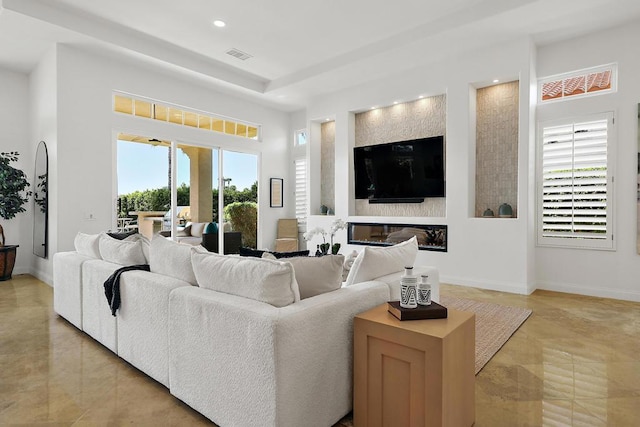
(324, 249)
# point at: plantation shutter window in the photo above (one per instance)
(576, 183)
(301, 190)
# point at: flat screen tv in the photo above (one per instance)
(407, 171)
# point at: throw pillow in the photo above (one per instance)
(272, 282)
(184, 232)
(374, 262)
(211, 228)
(197, 228)
(146, 244)
(317, 275)
(123, 252)
(172, 259)
(87, 245)
(348, 263)
(251, 252)
(121, 235)
(279, 255)
(260, 254)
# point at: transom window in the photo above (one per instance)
(301, 137)
(592, 81)
(126, 104)
(576, 182)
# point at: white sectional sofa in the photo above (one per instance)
(195, 324)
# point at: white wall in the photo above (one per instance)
(14, 101)
(44, 127)
(86, 129)
(485, 253)
(297, 121)
(600, 273)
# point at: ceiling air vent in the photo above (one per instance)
(236, 53)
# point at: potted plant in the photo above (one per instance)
(13, 196)
(323, 248)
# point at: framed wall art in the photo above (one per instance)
(275, 193)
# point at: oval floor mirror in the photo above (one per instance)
(40, 201)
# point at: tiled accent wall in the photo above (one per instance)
(497, 147)
(327, 164)
(418, 119)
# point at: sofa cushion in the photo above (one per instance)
(123, 252)
(317, 275)
(197, 228)
(265, 280)
(87, 245)
(260, 254)
(184, 232)
(375, 262)
(189, 240)
(172, 259)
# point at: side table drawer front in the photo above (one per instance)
(413, 373)
(396, 384)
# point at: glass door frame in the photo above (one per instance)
(174, 188)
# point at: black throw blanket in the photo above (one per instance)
(112, 285)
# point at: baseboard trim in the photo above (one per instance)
(46, 278)
(20, 270)
(571, 288)
(492, 285)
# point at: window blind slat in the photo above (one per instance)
(574, 180)
(300, 189)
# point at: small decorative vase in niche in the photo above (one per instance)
(488, 213)
(505, 211)
(335, 248)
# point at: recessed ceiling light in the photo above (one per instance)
(421, 96)
(496, 80)
(327, 120)
(395, 102)
(218, 23)
(373, 108)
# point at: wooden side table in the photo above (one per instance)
(414, 372)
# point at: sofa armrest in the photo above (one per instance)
(67, 285)
(289, 366)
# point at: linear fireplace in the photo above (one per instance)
(430, 237)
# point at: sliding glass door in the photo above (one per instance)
(143, 184)
(240, 204)
(146, 193)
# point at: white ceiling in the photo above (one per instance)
(300, 49)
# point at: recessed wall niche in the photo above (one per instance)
(411, 120)
(497, 147)
(327, 164)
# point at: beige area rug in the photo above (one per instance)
(494, 324)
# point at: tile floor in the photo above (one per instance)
(575, 361)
